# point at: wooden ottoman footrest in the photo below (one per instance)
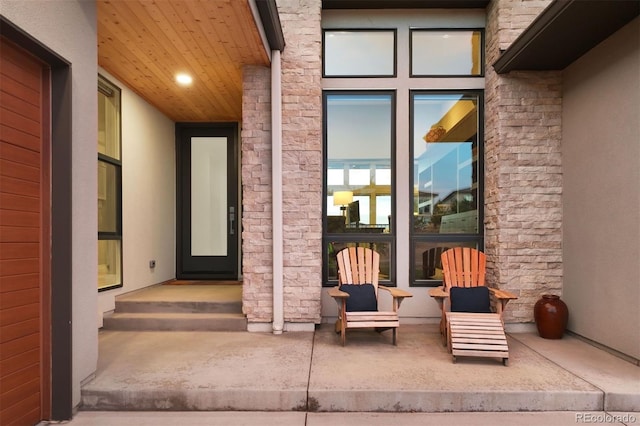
(478, 335)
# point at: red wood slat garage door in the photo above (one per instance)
(24, 237)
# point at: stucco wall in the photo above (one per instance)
(69, 29)
(601, 159)
(148, 196)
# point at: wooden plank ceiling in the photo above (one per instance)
(145, 43)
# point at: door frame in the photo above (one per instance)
(228, 129)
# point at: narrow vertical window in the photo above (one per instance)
(109, 186)
(359, 137)
(447, 195)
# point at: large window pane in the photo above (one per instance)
(359, 145)
(447, 188)
(359, 53)
(445, 150)
(446, 52)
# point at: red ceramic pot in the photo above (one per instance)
(551, 315)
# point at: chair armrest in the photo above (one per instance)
(337, 294)
(396, 292)
(438, 293)
(502, 294)
(503, 297)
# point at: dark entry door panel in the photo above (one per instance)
(207, 201)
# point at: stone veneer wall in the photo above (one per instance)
(523, 168)
(257, 241)
(302, 158)
(302, 172)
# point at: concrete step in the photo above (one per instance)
(174, 321)
(182, 306)
(179, 308)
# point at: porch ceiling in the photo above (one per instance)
(144, 43)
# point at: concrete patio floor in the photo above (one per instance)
(309, 377)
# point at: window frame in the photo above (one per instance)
(104, 85)
(454, 238)
(361, 30)
(360, 238)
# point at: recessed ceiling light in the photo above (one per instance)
(184, 79)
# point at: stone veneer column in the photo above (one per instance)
(302, 179)
(257, 224)
(523, 169)
(302, 158)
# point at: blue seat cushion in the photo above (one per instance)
(362, 297)
(470, 299)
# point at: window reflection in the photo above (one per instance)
(445, 164)
(383, 248)
(359, 161)
(427, 263)
(359, 193)
(446, 179)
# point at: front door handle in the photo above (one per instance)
(232, 219)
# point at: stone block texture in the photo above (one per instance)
(302, 172)
(523, 168)
(302, 158)
(257, 221)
